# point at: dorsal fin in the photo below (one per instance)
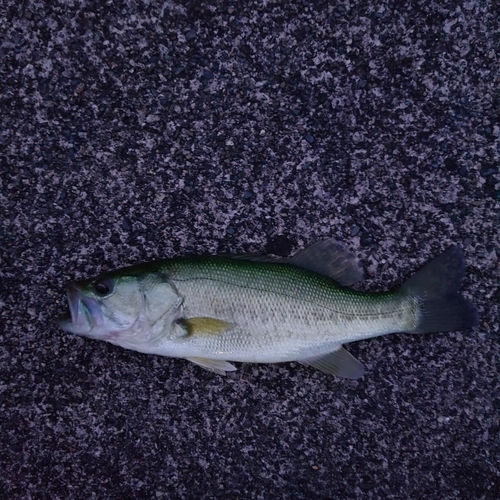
(326, 257)
(332, 259)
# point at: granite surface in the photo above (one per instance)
(133, 130)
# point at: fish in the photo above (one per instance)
(217, 310)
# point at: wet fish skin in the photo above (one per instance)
(212, 310)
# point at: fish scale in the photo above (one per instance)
(285, 308)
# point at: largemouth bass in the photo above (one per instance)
(213, 310)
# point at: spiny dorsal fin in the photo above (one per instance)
(340, 362)
(332, 259)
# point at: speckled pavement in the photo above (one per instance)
(144, 129)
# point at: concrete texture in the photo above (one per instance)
(132, 130)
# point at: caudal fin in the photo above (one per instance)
(437, 286)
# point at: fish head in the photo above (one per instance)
(124, 309)
(101, 305)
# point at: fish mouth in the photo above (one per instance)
(85, 313)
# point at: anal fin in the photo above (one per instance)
(340, 362)
(214, 365)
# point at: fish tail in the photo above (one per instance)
(437, 288)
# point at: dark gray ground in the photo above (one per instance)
(144, 129)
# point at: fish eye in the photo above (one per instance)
(102, 287)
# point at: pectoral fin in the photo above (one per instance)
(340, 363)
(214, 365)
(204, 326)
